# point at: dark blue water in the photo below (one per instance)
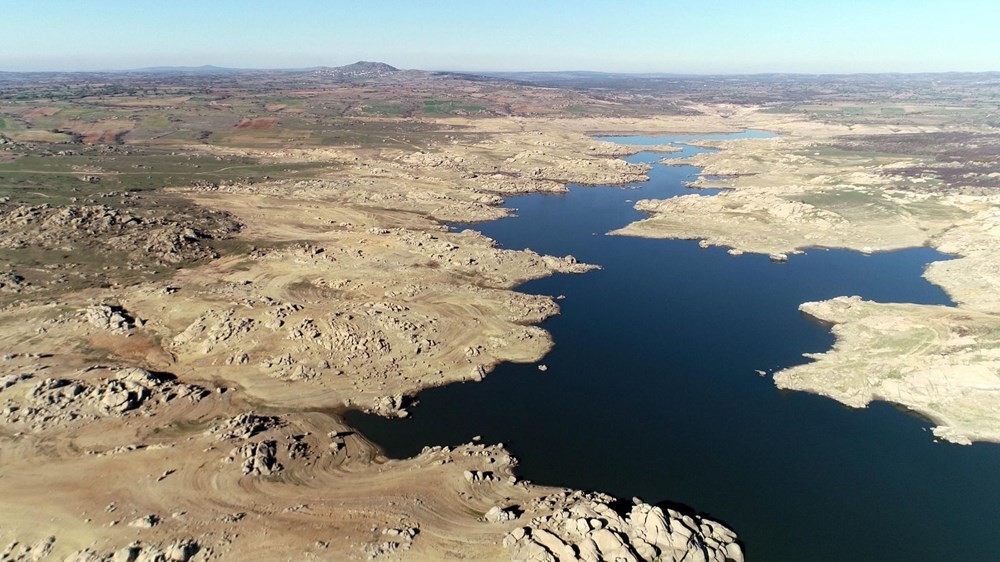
(651, 391)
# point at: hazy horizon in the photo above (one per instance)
(483, 70)
(642, 36)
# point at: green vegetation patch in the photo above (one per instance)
(83, 175)
(841, 200)
(442, 107)
(387, 109)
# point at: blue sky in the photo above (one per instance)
(696, 36)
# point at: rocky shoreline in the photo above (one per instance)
(787, 195)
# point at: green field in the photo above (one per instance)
(439, 107)
(35, 179)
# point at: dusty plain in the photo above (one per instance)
(202, 272)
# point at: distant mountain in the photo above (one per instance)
(360, 69)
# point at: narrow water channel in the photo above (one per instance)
(652, 391)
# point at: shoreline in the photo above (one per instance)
(748, 216)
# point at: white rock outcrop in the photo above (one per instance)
(585, 528)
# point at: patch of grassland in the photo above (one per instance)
(443, 107)
(841, 200)
(37, 178)
(37, 135)
(831, 154)
(384, 109)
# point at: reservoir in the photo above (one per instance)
(652, 390)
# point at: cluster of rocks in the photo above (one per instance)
(216, 328)
(165, 238)
(245, 185)
(178, 550)
(259, 458)
(475, 476)
(497, 514)
(112, 318)
(58, 401)
(11, 282)
(371, 342)
(259, 440)
(146, 521)
(586, 528)
(421, 159)
(336, 343)
(393, 541)
(244, 426)
(287, 368)
(389, 406)
(471, 250)
(212, 328)
(19, 552)
(349, 338)
(368, 340)
(535, 169)
(501, 183)
(10, 379)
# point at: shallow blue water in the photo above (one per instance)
(651, 391)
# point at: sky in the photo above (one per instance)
(695, 36)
